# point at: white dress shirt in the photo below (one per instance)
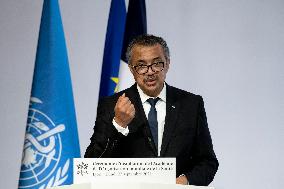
(161, 114)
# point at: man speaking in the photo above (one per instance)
(154, 119)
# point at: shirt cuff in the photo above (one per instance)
(120, 129)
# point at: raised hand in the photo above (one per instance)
(124, 111)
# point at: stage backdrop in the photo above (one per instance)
(229, 51)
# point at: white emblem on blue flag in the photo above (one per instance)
(42, 151)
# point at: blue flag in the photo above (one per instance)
(122, 28)
(113, 48)
(51, 139)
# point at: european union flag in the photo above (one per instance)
(113, 47)
(51, 139)
(122, 28)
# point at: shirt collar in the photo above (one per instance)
(145, 97)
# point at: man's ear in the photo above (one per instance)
(167, 65)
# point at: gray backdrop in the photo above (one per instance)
(229, 51)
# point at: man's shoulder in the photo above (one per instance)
(180, 93)
(187, 100)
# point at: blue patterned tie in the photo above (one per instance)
(152, 119)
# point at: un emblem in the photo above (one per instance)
(42, 151)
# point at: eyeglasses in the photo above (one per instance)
(143, 69)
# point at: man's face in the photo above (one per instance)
(151, 82)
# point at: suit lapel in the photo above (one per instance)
(140, 119)
(172, 109)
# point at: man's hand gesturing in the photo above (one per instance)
(124, 111)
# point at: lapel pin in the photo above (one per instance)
(173, 107)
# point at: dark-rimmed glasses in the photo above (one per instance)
(143, 69)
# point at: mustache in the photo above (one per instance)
(150, 78)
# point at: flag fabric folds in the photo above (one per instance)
(122, 28)
(51, 139)
(136, 23)
(113, 47)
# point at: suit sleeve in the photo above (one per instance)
(205, 163)
(105, 137)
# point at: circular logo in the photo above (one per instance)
(42, 149)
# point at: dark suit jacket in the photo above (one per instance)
(186, 135)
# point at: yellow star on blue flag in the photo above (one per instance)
(121, 29)
(115, 80)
